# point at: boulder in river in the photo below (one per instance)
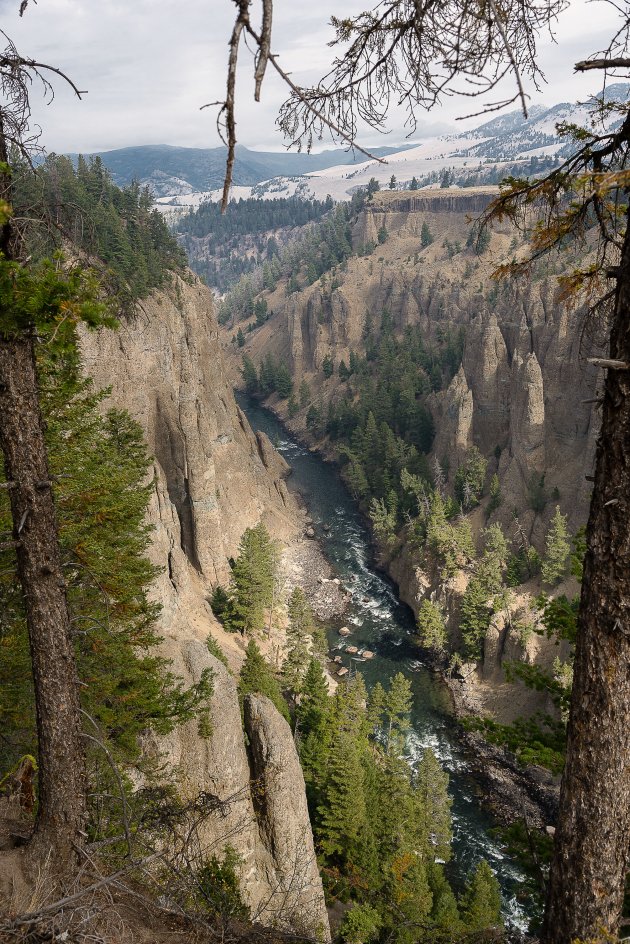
(345, 631)
(367, 654)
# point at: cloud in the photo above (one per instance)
(149, 65)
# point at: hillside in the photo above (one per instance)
(408, 356)
(177, 171)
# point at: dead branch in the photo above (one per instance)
(587, 64)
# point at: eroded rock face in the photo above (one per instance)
(165, 367)
(283, 818)
(213, 478)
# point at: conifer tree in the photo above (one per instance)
(481, 901)
(254, 573)
(257, 678)
(342, 813)
(426, 238)
(414, 184)
(431, 783)
(558, 548)
(396, 711)
(431, 626)
(249, 375)
(315, 729)
(444, 912)
(299, 632)
(293, 407)
(305, 394)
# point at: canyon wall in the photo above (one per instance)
(212, 478)
(524, 394)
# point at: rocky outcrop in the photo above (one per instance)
(212, 478)
(257, 795)
(280, 801)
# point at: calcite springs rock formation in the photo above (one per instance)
(213, 477)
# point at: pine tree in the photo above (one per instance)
(240, 338)
(253, 574)
(342, 813)
(444, 912)
(305, 394)
(558, 548)
(101, 509)
(360, 925)
(414, 184)
(396, 710)
(299, 632)
(249, 375)
(257, 678)
(328, 366)
(392, 182)
(284, 382)
(481, 901)
(431, 783)
(431, 626)
(426, 237)
(314, 728)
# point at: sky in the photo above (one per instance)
(148, 66)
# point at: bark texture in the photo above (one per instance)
(593, 835)
(62, 805)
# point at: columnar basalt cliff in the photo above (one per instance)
(213, 477)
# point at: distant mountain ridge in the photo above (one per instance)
(181, 178)
(175, 171)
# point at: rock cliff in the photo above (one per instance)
(523, 394)
(213, 477)
(519, 394)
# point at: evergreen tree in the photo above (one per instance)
(481, 901)
(253, 575)
(249, 375)
(495, 494)
(257, 678)
(305, 394)
(328, 366)
(426, 237)
(414, 184)
(431, 626)
(392, 182)
(284, 383)
(101, 509)
(470, 478)
(360, 925)
(342, 813)
(299, 633)
(558, 548)
(240, 338)
(431, 783)
(315, 730)
(444, 912)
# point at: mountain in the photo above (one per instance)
(483, 155)
(176, 171)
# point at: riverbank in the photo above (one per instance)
(504, 787)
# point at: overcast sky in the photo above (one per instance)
(149, 64)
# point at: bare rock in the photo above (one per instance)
(284, 822)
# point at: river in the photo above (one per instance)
(382, 623)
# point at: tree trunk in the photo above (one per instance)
(62, 805)
(61, 815)
(593, 834)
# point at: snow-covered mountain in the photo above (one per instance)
(485, 154)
